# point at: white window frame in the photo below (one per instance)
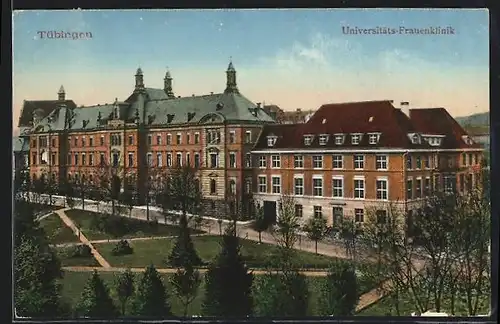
(178, 138)
(177, 159)
(316, 161)
(248, 160)
(232, 137)
(149, 159)
(262, 161)
(317, 211)
(248, 139)
(380, 160)
(169, 139)
(420, 193)
(298, 159)
(341, 161)
(359, 190)
(308, 139)
(323, 139)
(301, 177)
(169, 159)
(196, 137)
(337, 188)
(382, 190)
(275, 161)
(271, 140)
(232, 155)
(356, 214)
(357, 162)
(339, 139)
(317, 177)
(261, 184)
(356, 138)
(130, 158)
(275, 189)
(373, 138)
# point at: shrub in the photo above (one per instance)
(122, 248)
(80, 251)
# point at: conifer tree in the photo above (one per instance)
(339, 293)
(228, 282)
(151, 297)
(183, 253)
(124, 286)
(95, 300)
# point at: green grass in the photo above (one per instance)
(74, 282)
(57, 232)
(67, 261)
(385, 307)
(135, 227)
(208, 247)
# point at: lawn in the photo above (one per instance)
(67, 261)
(74, 282)
(57, 232)
(385, 307)
(87, 221)
(208, 247)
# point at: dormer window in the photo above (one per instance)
(373, 138)
(467, 140)
(355, 139)
(414, 138)
(323, 139)
(271, 140)
(339, 139)
(308, 139)
(434, 140)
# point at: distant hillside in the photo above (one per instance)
(475, 120)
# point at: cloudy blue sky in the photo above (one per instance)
(292, 58)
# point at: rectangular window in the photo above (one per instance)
(359, 162)
(382, 189)
(318, 213)
(355, 139)
(150, 160)
(339, 139)
(169, 160)
(298, 161)
(318, 187)
(276, 185)
(408, 162)
(33, 159)
(359, 215)
(248, 137)
(130, 140)
(188, 159)
(169, 139)
(317, 161)
(179, 160)
(471, 162)
(275, 161)
(84, 142)
(232, 137)
(84, 159)
(179, 138)
(337, 215)
(116, 140)
(101, 140)
(426, 162)
(298, 185)
(158, 139)
(214, 160)
(427, 186)
(323, 139)
(338, 161)
(196, 138)
(53, 141)
(262, 161)
(409, 189)
(91, 159)
(418, 162)
(299, 211)
(53, 159)
(338, 187)
(131, 159)
(248, 160)
(248, 186)
(159, 161)
(197, 160)
(262, 184)
(372, 139)
(232, 159)
(102, 159)
(76, 159)
(449, 184)
(381, 162)
(418, 188)
(75, 142)
(381, 216)
(188, 138)
(359, 188)
(116, 160)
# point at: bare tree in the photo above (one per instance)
(285, 232)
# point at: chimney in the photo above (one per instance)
(258, 105)
(405, 108)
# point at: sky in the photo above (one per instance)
(290, 58)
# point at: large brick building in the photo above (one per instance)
(148, 133)
(351, 156)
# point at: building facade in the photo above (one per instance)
(147, 134)
(350, 157)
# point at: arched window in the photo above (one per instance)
(212, 186)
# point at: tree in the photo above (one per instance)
(95, 300)
(151, 298)
(316, 229)
(110, 183)
(124, 286)
(186, 283)
(287, 224)
(183, 253)
(283, 293)
(228, 282)
(260, 223)
(128, 197)
(184, 191)
(83, 189)
(36, 273)
(339, 292)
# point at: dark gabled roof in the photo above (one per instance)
(44, 106)
(437, 121)
(364, 117)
